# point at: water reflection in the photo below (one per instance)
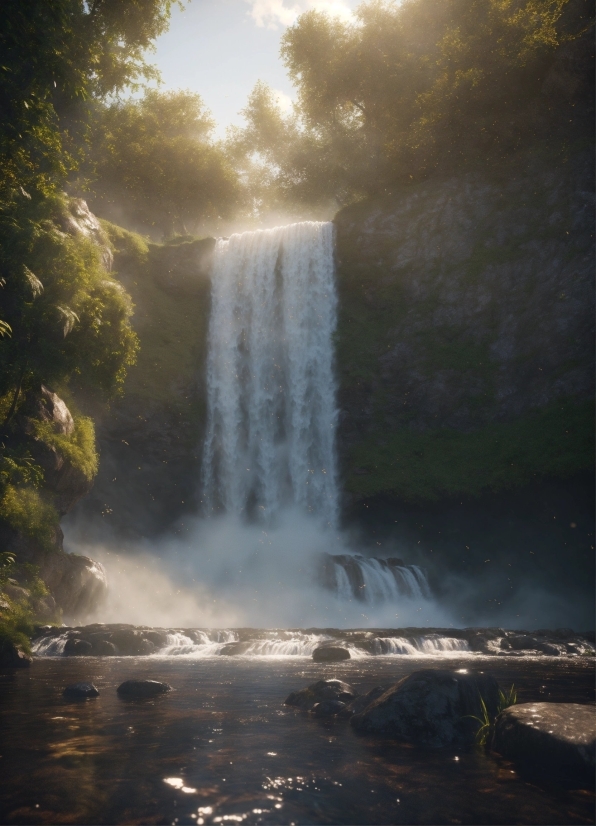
(222, 748)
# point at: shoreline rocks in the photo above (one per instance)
(431, 707)
(556, 740)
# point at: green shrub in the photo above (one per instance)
(78, 449)
(25, 511)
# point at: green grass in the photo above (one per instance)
(555, 442)
(78, 449)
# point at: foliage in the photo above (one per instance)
(7, 561)
(69, 318)
(157, 166)
(557, 441)
(487, 720)
(78, 449)
(17, 626)
(56, 57)
(415, 87)
(26, 512)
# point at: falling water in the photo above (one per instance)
(271, 389)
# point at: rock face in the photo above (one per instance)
(432, 708)
(141, 689)
(553, 739)
(330, 654)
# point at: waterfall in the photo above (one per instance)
(373, 580)
(270, 385)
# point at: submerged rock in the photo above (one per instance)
(143, 688)
(330, 654)
(362, 702)
(556, 739)
(80, 691)
(103, 648)
(324, 690)
(432, 708)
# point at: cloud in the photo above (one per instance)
(273, 13)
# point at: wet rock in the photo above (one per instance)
(103, 648)
(522, 642)
(131, 643)
(13, 656)
(76, 647)
(233, 649)
(307, 698)
(80, 691)
(142, 688)
(549, 649)
(433, 708)
(553, 739)
(358, 705)
(328, 708)
(330, 654)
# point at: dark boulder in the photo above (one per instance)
(76, 647)
(432, 708)
(234, 649)
(12, 655)
(80, 691)
(555, 740)
(131, 643)
(103, 648)
(330, 654)
(307, 698)
(328, 708)
(358, 705)
(522, 642)
(142, 688)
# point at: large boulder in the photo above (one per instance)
(432, 707)
(324, 690)
(78, 584)
(553, 739)
(142, 689)
(330, 654)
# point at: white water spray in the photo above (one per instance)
(271, 388)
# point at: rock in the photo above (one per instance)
(306, 698)
(143, 688)
(432, 708)
(80, 691)
(556, 739)
(233, 649)
(363, 701)
(130, 642)
(549, 649)
(77, 219)
(330, 654)
(103, 648)
(522, 642)
(12, 655)
(76, 647)
(328, 708)
(45, 406)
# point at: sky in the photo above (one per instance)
(221, 48)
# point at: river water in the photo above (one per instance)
(222, 748)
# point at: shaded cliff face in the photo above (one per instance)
(465, 340)
(150, 440)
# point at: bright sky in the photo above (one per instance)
(220, 48)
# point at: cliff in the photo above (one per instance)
(149, 440)
(465, 339)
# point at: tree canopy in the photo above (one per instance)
(155, 165)
(416, 87)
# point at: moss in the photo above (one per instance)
(17, 626)
(78, 449)
(126, 243)
(556, 442)
(24, 510)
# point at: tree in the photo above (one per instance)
(156, 165)
(419, 86)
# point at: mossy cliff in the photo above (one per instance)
(150, 439)
(465, 337)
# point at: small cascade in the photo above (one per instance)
(270, 385)
(373, 580)
(431, 646)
